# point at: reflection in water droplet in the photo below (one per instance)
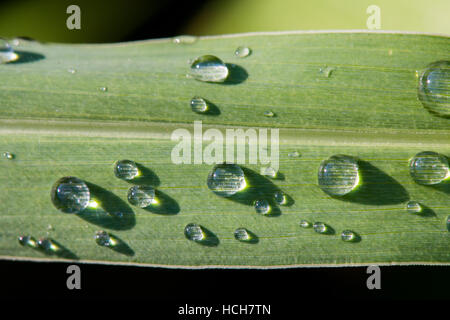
(269, 114)
(7, 53)
(348, 235)
(48, 245)
(413, 207)
(268, 172)
(185, 39)
(320, 227)
(28, 241)
(126, 169)
(141, 196)
(226, 179)
(242, 52)
(104, 239)
(305, 224)
(199, 105)
(262, 206)
(194, 232)
(338, 175)
(434, 88)
(242, 234)
(209, 68)
(294, 154)
(280, 198)
(326, 71)
(8, 155)
(70, 195)
(429, 168)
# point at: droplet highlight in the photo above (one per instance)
(70, 195)
(142, 196)
(242, 52)
(226, 179)
(338, 175)
(199, 105)
(126, 169)
(7, 53)
(194, 232)
(413, 207)
(209, 68)
(429, 168)
(434, 88)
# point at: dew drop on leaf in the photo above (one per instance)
(209, 68)
(126, 169)
(434, 88)
(338, 175)
(141, 196)
(70, 195)
(413, 207)
(305, 224)
(320, 227)
(7, 53)
(28, 241)
(242, 234)
(194, 232)
(262, 206)
(242, 52)
(199, 105)
(348, 236)
(104, 239)
(429, 168)
(8, 155)
(226, 179)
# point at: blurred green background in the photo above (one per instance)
(119, 20)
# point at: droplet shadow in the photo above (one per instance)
(27, 57)
(376, 188)
(146, 177)
(61, 252)
(329, 231)
(121, 246)
(212, 110)
(112, 213)
(166, 205)
(426, 212)
(210, 240)
(236, 74)
(444, 187)
(253, 238)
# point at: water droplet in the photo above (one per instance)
(104, 239)
(194, 232)
(199, 105)
(71, 70)
(305, 224)
(141, 196)
(326, 71)
(429, 168)
(262, 206)
(413, 207)
(320, 227)
(48, 245)
(209, 68)
(7, 53)
(280, 198)
(8, 155)
(103, 89)
(185, 39)
(28, 241)
(226, 179)
(242, 52)
(348, 236)
(242, 234)
(70, 195)
(338, 175)
(126, 169)
(294, 154)
(434, 88)
(269, 114)
(50, 228)
(268, 172)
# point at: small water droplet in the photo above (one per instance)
(268, 172)
(70, 195)
(7, 53)
(28, 241)
(262, 206)
(242, 52)
(141, 196)
(429, 168)
(194, 232)
(104, 239)
(413, 207)
(434, 88)
(326, 71)
(305, 224)
(269, 114)
(294, 154)
(199, 105)
(226, 179)
(50, 228)
(348, 236)
(338, 175)
(71, 70)
(280, 198)
(320, 227)
(185, 39)
(126, 169)
(209, 68)
(242, 234)
(103, 89)
(8, 155)
(48, 245)
(390, 52)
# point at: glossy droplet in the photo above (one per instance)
(320, 227)
(226, 179)
(294, 154)
(269, 114)
(48, 245)
(28, 241)
(7, 53)
(126, 169)
(103, 89)
(413, 207)
(199, 105)
(104, 239)
(305, 224)
(268, 172)
(262, 206)
(194, 232)
(280, 198)
(8, 155)
(141, 196)
(434, 88)
(326, 71)
(338, 175)
(429, 168)
(242, 52)
(209, 68)
(70, 195)
(242, 234)
(185, 39)
(348, 236)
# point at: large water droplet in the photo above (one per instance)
(8, 155)
(434, 88)
(338, 175)
(70, 195)
(242, 52)
(348, 236)
(262, 206)
(199, 105)
(209, 68)
(104, 239)
(226, 179)
(48, 245)
(141, 196)
(194, 232)
(413, 207)
(126, 169)
(242, 234)
(7, 53)
(320, 227)
(429, 168)
(28, 241)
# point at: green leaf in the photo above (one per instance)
(59, 123)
